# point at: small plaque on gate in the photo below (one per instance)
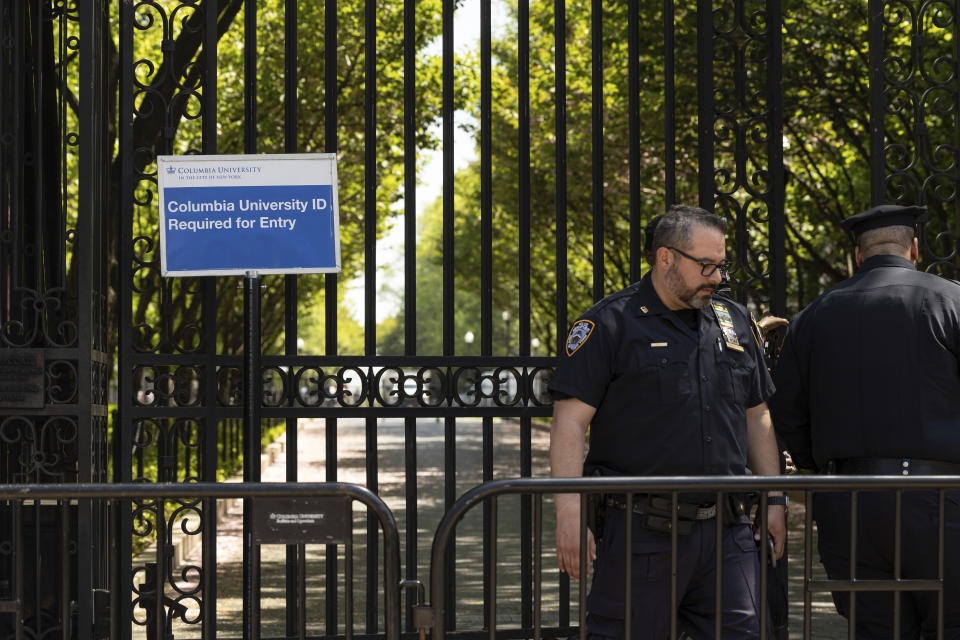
(21, 379)
(310, 520)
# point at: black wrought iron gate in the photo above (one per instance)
(546, 217)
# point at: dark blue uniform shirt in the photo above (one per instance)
(871, 369)
(670, 400)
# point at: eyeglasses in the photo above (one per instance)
(707, 269)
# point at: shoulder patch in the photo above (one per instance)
(579, 332)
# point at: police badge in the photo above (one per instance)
(578, 335)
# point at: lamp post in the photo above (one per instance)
(506, 329)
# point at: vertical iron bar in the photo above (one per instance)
(410, 278)
(674, 599)
(489, 542)
(807, 564)
(628, 567)
(560, 116)
(449, 498)
(252, 395)
(331, 144)
(63, 518)
(88, 235)
(897, 559)
(523, 285)
(294, 605)
(669, 106)
(853, 562)
(409, 177)
(448, 178)
(373, 541)
(764, 558)
(538, 566)
(877, 104)
(370, 285)
(18, 560)
(718, 560)
(412, 524)
(596, 58)
(633, 105)
(331, 560)
(301, 592)
(705, 111)
(486, 302)
(526, 470)
(209, 541)
(491, 568)
(251, 419)
(348, 585)
(486, 185)
(450, 423)
(410, 284)
(582, 590)
(941, 548)
(775, 200)
(123, 425)
(159, 614)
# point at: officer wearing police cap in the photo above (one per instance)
(670, 377)
(868, 383)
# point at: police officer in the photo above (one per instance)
(868, 382)
(671, 380)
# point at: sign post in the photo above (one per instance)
(248, 215)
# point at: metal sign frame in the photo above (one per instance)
(221, 186)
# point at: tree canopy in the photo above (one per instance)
(826, 144)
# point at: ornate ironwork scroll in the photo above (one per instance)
(747, 155)
(53, 305)
(915, 97)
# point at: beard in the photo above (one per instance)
(696, 297)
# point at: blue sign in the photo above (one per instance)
(229, 215)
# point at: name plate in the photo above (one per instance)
(314, 520)
(21, 379)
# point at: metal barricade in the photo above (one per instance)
(81, 496)
(435, 615)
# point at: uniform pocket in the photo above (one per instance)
(736, 373)
(651, 562)
(668, 368)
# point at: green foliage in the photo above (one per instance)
(180, 304)
(827, 148)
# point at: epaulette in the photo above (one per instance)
(613, 297)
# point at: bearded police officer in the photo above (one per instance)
(671, 380)
(868, 382)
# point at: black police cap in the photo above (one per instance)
(886, 215)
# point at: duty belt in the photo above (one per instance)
(661, 506)
(892, 467)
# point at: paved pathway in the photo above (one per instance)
(827, 625)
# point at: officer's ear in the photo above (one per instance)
(664, 257)
(857, 256)
(915, 250)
